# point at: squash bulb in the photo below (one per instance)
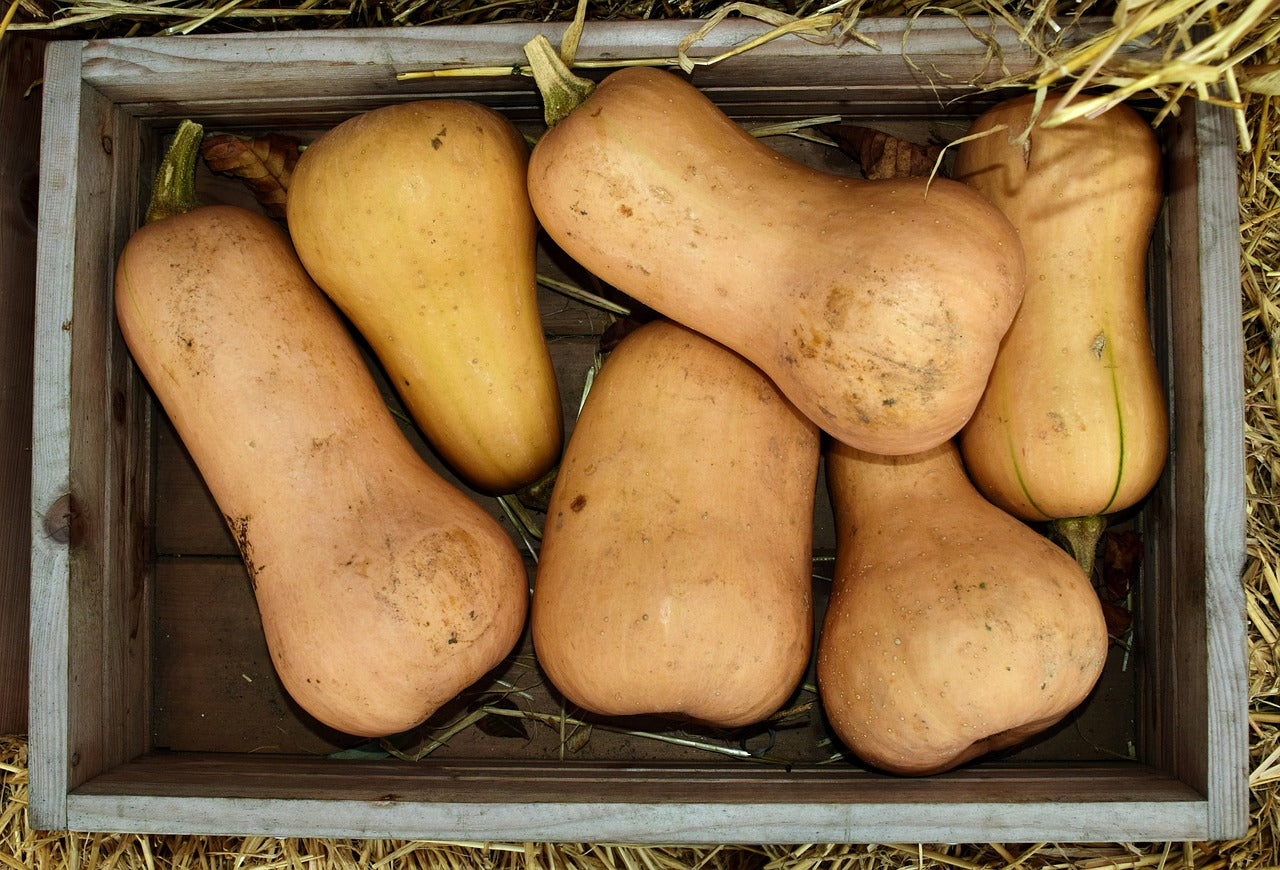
(953, 629)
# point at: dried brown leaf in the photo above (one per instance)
(882, 155)
(264, 163)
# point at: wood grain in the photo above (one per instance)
(635, 802)
(1194, 694)
(1222, 346)
(21, 60)
(52, 640)
(912, 68)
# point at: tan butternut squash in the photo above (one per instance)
(383, 589)
(414, 219)
(1074, 421)
(953, 629)
(675, 571)
(875, 306)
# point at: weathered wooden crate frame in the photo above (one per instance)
(91, 767)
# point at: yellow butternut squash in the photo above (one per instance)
(1074, 422)
(414, 219)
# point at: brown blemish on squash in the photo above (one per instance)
(239, 527)
(1099, 344)
(578, 503)
(836, 311)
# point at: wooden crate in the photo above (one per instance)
(154, 708)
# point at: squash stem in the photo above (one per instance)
(561, 90)
(1081, 535)
(174, 192)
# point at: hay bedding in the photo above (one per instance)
(1222, 51)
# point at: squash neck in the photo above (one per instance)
(860, 482)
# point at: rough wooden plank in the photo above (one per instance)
(1194, 660)
(119, 397)
(1224, 486)
(922, 66)
(21, 60)
(88, 679)
(107, 713)
(52, 642)
(361, 62)
(685, 824)
(165, 773)
(673, 803)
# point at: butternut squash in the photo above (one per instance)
(383, 589)
(1074, 421)
(875, 306)
(414, 219)
(953, 629)
(675, 572)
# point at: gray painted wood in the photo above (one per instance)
(648, 823)
(49, 752)
(919, 66)
(1224, 484)
(644, 803)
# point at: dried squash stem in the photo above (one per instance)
(1081, 535)
(175, 186)
(561, 90)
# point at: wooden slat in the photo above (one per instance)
(1222, 342)
(138, 70)
(687, 824)
(652, 781)
(88, 677)
(1194, 666)
(671, 803)
(107, 474)
(21, 60)
(118, 396)
(52, 642)
(918, 66)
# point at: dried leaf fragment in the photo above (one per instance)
(881, 154)
(264, 163)
(1120, 569)
(1121, 563)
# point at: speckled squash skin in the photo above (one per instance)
(953, 629)
(675, 572)
(1074, 421)
(383, 589)
(414, 219)
(875, 306)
